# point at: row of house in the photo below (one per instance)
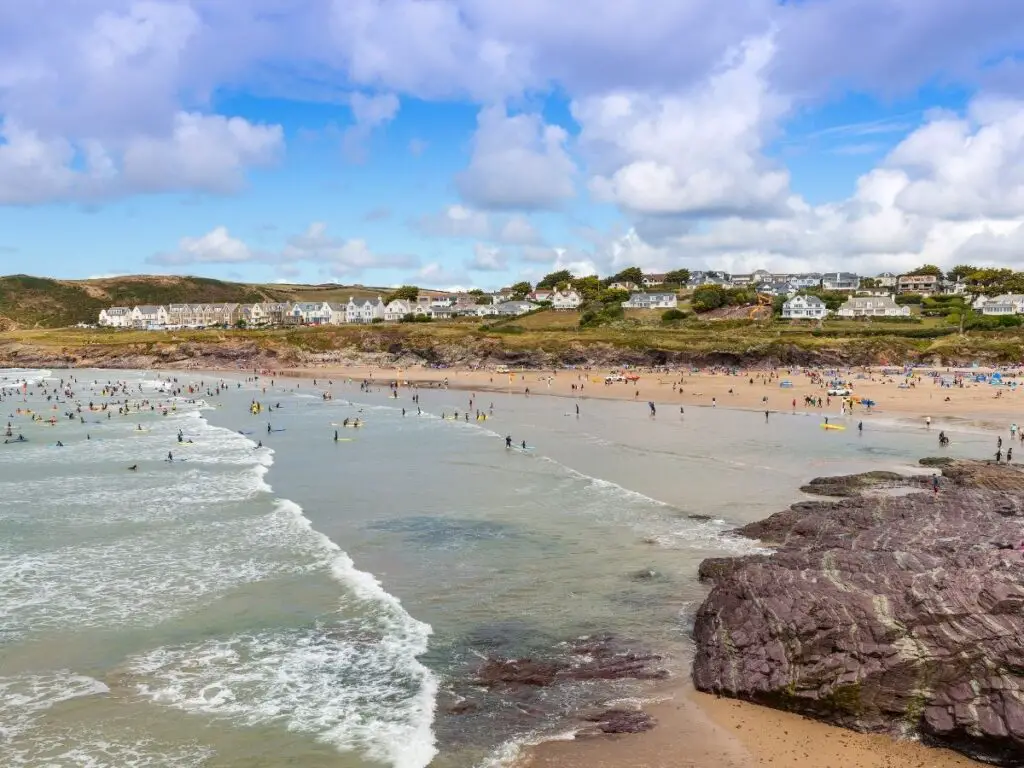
(1004, 304)
(813, 308)
(272, 314)
(787, 284)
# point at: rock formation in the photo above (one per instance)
(883, 613)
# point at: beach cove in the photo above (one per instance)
(595, 531)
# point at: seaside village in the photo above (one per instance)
(868, 297)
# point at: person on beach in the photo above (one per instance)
(766, 417)
(654, 411)
(524, 445)
(927, 422)
(999, 455)
(935, 484)
(170, 456)
(860, 426)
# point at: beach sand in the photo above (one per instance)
(975, 401)
(696, 730)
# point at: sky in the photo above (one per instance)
(476, 143)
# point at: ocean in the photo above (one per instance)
(277, 597)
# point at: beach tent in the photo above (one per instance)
(786, 384)
(997, 378)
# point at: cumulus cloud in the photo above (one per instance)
(518, 161)
(202, 152)
(696, 153)
(338, 257)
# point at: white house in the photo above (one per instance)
(397, 309)
(840, 281)
(149, 316)
(872, 306)
(804, 308)
(651, 301)
(310, 313)
(566, 299)
(116, 317)
(371, 310)
(654, 278)
(541, 294)
(338, 312)
(1006, 304)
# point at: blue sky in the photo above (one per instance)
(470, 142)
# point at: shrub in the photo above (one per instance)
(671, 315)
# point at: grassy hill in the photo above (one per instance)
(38, 302)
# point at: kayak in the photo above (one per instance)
(832, 426)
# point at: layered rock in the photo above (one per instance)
(901, 614)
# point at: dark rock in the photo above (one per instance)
(622, 721)
(645, 574)
(700, 518)
(899, 614)
(852, 485)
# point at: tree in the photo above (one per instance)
(554, 279)
(961, 272)
(927, 269)
(630, 275)
(406, 292)
(707, 298)
(613, 296)
(868, 283)
(678, 277)
(588, 287)
(519, 290)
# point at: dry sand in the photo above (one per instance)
(975, 401)
(696, 730)
(699, 731)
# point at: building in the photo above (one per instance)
(310, 313)
(1006, 304)
(654, 278)
(512, 308)
(365, 311)
(541, 294)
(338, 311)
(804, 308)
(872, 306)
(116, 317)
(923, 284)
(840, 281)
(149, 317)
(651, 301)
(397, 309)
(566, 300)
(624, 286)
(886, 280)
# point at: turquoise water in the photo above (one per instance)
(323, 603)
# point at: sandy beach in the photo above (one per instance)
(894, 395)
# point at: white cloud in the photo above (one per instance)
(692, 153)
(458, 221)
(518, 161)
(206, 153)
(368, 113)
(338, 257)
(487, 258)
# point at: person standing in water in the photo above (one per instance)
(508, 441)
(335, 435)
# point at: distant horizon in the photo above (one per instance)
(472, 142)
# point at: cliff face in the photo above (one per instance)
(901, 614)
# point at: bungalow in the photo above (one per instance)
(512, 308)
(541, 294)
(804, 308)
(620, 285)
(566, 299)
(149, 316)
(1006, 304)
(116, 317)
(651, 301)
(840, 281)
(872, 306)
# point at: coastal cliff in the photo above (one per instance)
(898, 612)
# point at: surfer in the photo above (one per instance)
(508, 441)
(170, 456)
(269, 430)
(133, 468)
(524, 445)
(335, 435)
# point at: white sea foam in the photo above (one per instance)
(357, 685)
(24, 698)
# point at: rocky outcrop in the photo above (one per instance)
(884, 613)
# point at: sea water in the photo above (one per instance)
(278, 597)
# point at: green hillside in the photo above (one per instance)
(38, 302)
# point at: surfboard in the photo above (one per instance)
(832, 426)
